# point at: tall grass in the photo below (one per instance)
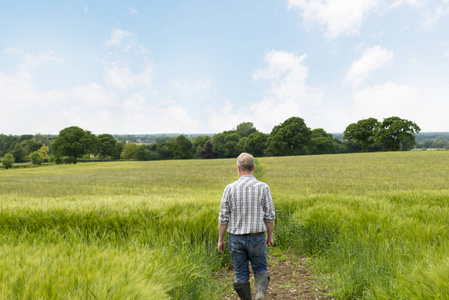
(375, 225)
(111, 231)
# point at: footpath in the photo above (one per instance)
(290, 279)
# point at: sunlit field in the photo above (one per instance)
(373, 225)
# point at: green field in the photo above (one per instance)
(374, 225)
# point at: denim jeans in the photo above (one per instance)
(248, 248)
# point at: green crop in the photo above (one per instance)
(374, 225)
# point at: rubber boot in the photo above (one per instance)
(243, 289)
(262, 280)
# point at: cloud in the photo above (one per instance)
(125, 102)
(133, 11)
(345, 17)
(385, 100)
(398, 3)
(127, 65)
(11, 50)
(432, 15)
(335, 17)
(286, 74)
(118, 36)
(120, 76)
(33, 61)
(95, 107)
(168, 116)
(287, 95)
(415, 102)
(125, 42)
(372, 59)
(192, 86)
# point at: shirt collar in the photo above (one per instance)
(246, 176)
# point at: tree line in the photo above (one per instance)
(291, 137)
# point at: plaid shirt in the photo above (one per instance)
(246, 206)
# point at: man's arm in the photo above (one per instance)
(221, 234)
(270, 229)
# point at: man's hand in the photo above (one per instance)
(221, 247)
(221, 234)
(270, 229)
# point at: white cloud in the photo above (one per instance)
(432, 15)
(94, 107)
(126, 102)
(287, 91)
(120, 76)
(398, 3)
(140, 115)
(228, 116)
(416, 102)
(125, 42)
(345, 17)
(133, 11)
(33, 61)
(287, 95)
(192, 86)
(386, 100)
(11, 50)
(118, 36)
(286, 73)
(335, 17)
(372, 59)
(128, 65)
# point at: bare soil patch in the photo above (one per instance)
(290, 279)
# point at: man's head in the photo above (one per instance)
(245, 163)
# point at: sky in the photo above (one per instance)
(198, 66)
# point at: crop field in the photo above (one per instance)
(373, 225)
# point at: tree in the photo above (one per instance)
(74, 142)
(199, 144)
(256, 144)
(245, 129)
(181, 147)
(143, 153)
(396, 134)
(362, 132)
(31, 145)
(20, 153)
(207, 152)
(322, 142)
(8, 161)
(439, 143)
(292, 137)
(118, 149)
(225, 144)
(164, 149)
(107, 145)
(36, 158)
(43, 151)
(240, 147)
(43, 139)
(129, 151)
(6, 144)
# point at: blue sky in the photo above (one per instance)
(131, 67)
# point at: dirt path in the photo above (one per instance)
(290, 279)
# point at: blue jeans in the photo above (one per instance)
(248, 248)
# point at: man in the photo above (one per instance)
(247, 212)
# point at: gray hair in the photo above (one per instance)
(246, 162)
